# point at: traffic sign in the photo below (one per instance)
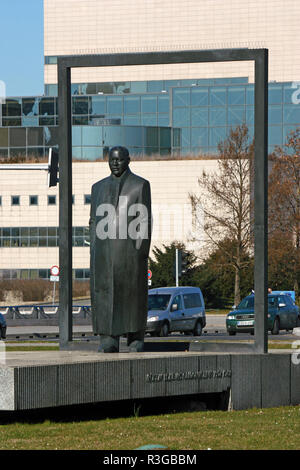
(149, 274)
(54, 278)
(149, 282)
(54, 271)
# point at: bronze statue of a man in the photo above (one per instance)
(120, 233)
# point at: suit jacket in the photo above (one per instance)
(118, 259)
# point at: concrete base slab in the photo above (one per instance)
(31, 380)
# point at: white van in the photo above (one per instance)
(179, 309)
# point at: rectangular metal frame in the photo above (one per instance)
(260, 58)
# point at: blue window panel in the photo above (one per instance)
(136, 150)
(149, 104)
(133, 136)
(113, 135)
(238, 80)
(76, 152)
(91, 153)
(205, 81)
(236, 95)
(163, 120)
(30, 121)
(155, 86)
(176, 137)
(275, 135)
(114, 104)
(185, 150)
(181, 117)
(249, 115)
(250, 95)
(199, 116)
(138, 87)
(149, 120)
(132, 104)
(163, 104)
(275, 114)
(91, 135)
(274, 93)
(291, 114)
(185, 137)
(165, 138)
(171, 83)
(217, 116)
(98, 105)
(76, 135)
(217, 96)
(250, 133)
(221, 81)
(151, 138)
(236, 115)
(217, 135)
(289, 93)
(199, 137)
(181, 97)
(199, 96)
(132, 120)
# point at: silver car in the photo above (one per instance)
(179, 309)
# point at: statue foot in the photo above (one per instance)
(109, 344)
(136, 346)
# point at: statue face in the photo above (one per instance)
(118, 163)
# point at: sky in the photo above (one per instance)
(22, 47)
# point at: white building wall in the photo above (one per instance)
(110, 26)
(171, 183)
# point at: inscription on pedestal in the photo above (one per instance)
(188, 375)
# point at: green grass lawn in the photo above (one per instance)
(273, 428)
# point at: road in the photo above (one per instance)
(215, 329)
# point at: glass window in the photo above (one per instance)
(12, 107)
(105, 87)
(11, 122)
(91, 135)
(155, 86)
(98, 105)
(91, 89)
(217, 116)
(36, 152)
(217, 135)
(132, 120)
(3, 137)
(87, 199)
(275, 135)
(121, 87)
(199, 137)
(91, 153)
(177, 301)
(17, 137)
(149, 119)
(275, 114)
(236, 95)
(47, 107)
(150, 137)
(163, 120)
(35, 136)
(80, 120)
(33, 200)
(250, 95)
(199, 96)
(47, 121)
(138, 87)
(199, 116)
(149, 104)
(217, 96)
(51, 90)
(291, 114)
(51, 136)
(76, 135)
(288, 93)
(236, 115)
(165, 138)
(186, 137)
(171, 83)
(132, 105)
(30, 106)
(17, 152)
(181, 117)
(30, 121)
(114, 105)
(133, 137)
(249, 115)
(80, 105)
(15, 200)
(163, 103)
(51, 200)
(76, 152)
(274, 94)
(181, 97)
(0, 200)
(112, 135)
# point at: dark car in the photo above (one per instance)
(283, 314)
(2, 327)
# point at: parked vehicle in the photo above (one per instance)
(283, 314)
(2, 327)
(179, 309)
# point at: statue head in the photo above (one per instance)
(118, 160)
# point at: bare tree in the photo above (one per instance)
(284, 201)
(226, 202)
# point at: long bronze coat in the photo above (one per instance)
(118, 274)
